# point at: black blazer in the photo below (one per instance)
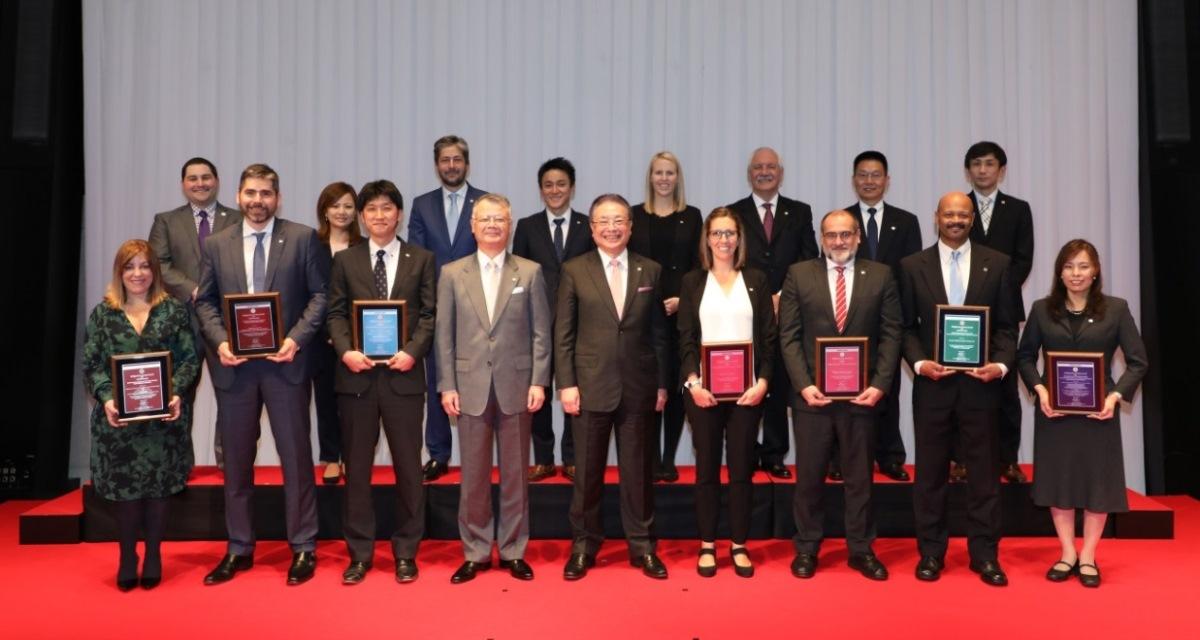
(353, 279)
(806, 312)
(611, 360)
(691, 334)
(684, 248)
(792, 238)
(1010, 233)
(899, 238)
(922, 288)
(1115, 329)
(532, 240)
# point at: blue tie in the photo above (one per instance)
(956, 288)
(872, 233)
(260, 263)
(452, 217)
(559, 249)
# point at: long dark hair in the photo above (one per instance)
(1058, 291)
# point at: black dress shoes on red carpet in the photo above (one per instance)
(895, 471)
(406, 570)
(929, 569)
(227, 568)
(518, 569)
(990, 572)
(868, 565)
(804, 565)
(650, 565)
(777, 470)
(304, 566)
(467, 570)
(434, 470)
(356, 572)
(577, 566)
(834, 472)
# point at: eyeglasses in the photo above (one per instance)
(871, 175)
(722, 234)
(838, 235)
(610, 223)
(496, 220)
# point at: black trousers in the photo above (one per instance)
(542, 432)
(329, 434)
(1009, 418)
(737, 426)
(888, 445)
(668, 426)
(816, 434)
(774, 446)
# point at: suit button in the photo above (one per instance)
(768, 254)
(674, 268)
(489, 363)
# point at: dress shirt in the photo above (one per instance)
(726, 318)
(848, 274)
(211, 210)
(566, 225)
(461, 193)
(490, 281)
(391, 259)
(866, 217)
(990, 196)
(759, 202)
(248, 243)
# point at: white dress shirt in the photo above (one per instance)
(391, 260)
(248, 243)
(490, 279)
(831, 273)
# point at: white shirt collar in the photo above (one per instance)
(462, 194)
(390, 249)
(878, 208)
(484, 260)
(830, 265)
(990, 196)
(248, 231)
(944, 250)
(622, 257)
(759, 202)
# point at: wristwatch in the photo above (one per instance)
(692, 383)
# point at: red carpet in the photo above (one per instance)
(67, 591)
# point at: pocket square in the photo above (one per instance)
(518, 290)
(645, 289)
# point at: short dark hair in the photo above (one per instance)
(984, 148)
(261, 171)
(606, 198)
(451, 141)
(198, 160)
(385, 188)
(869, 155)
(559, 163)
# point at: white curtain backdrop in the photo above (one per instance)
(327, 90)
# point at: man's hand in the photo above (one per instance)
(986, 373)
(287, 352)
(401, 362)
(570, 400)
(536, 398)
(227, 357)
(868, 398)
(450, 403)
(813, 396)
(357, 361)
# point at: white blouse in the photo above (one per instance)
(726, 318)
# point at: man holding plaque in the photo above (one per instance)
(950, 292)
(840, 333)
(610, 357)
(494, 342)
(284, 260)
(381, 320)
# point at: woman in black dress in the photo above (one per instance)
(139, 465)
(667, 230)
(1078, 463)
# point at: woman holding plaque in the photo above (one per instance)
(1078, 462)
(725, 306)
(139, 464)
(337, 227)
(667, 230)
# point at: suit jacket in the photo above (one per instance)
(792, 237)
(1011, 233)
(532, 240)
(611, 360)
(1104, 334)
(174, 238)
(353, 278)
(427, 226)
(806, 312)
(900, 237)
(508, 353)
(922, 289)
(691, 333)
(296, 266)
(683, 250)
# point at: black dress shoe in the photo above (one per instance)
(227, 568)
(304, 565)
(577, 566)
(742, 572)
(518, 569)
(868, 565)
(434, 470)
(467, 570)
(990, 572)
(569, 472)
(151, 572)
(777, 470)
(1012, 473)
(651, 566)
(895, 471)
(668, 473)
(958, 472)
(929, 568)
(356, 572)
(707, 572)
(406, 570)
(540, 472)
(834, 472)
(1062, 575)
(804, 565)
(127, 572)
(1090, 580)
(127, 584)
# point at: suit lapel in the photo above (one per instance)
(275, 254)
(541, 235)
(980, 267)
(509, 278)
(403, 265)
(596, 269)
(886, 233)
(753, 222)
(632, 283)
(473, 279)
(860, 279)
(237, 257)
(463, 229)
(933, 276)
(577, 239)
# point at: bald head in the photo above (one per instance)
(953, 219)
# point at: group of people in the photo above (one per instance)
(612, 310)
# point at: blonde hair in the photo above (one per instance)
(114, 295)
(677, 198)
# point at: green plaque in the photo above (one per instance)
(962, 336)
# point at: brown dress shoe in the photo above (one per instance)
(1012, 473)
(958, 472)
(540, 472)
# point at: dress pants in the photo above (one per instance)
(325, 362)
(476, 526)
(401, 415)
(889, 446)
(976, 435)
(774, 445)
(592, 429)
(259, 383)
(438, 439)
(543, 433)
(668, 426)
(737, 426)
(816, 432)
(1009, 418)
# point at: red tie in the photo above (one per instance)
(839, 308)
(768, 220)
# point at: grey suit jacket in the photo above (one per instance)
(510, 353)
(296, 266)
(174, 238)
(806, 312)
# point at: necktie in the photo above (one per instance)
(956, 287)
(492, 282)
(985, 212)
(380, 275)
(559, 249)
(839, 307)
(872, 232)
(452, 217)
(260, 263)
(768, 220)
(616, 285)
(204, 229)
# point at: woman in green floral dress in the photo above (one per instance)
(140, 464)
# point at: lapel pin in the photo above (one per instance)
(893, 228)
(985, 269)
(863, 272)
(514, 279)
(407, 256)
(639, 268)
(1090, 321)
(750, 289)
(279, 241)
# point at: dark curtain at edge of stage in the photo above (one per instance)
(41, 177)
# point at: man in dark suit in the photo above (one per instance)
(493, 329)
(178, 236)
(958, 272)
(1003, 223)
(550, 238)
(265, 254)
(383, 268)
(440, 222)
(779, 233)
(610, 358)
(887, 234)
(830, 297)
